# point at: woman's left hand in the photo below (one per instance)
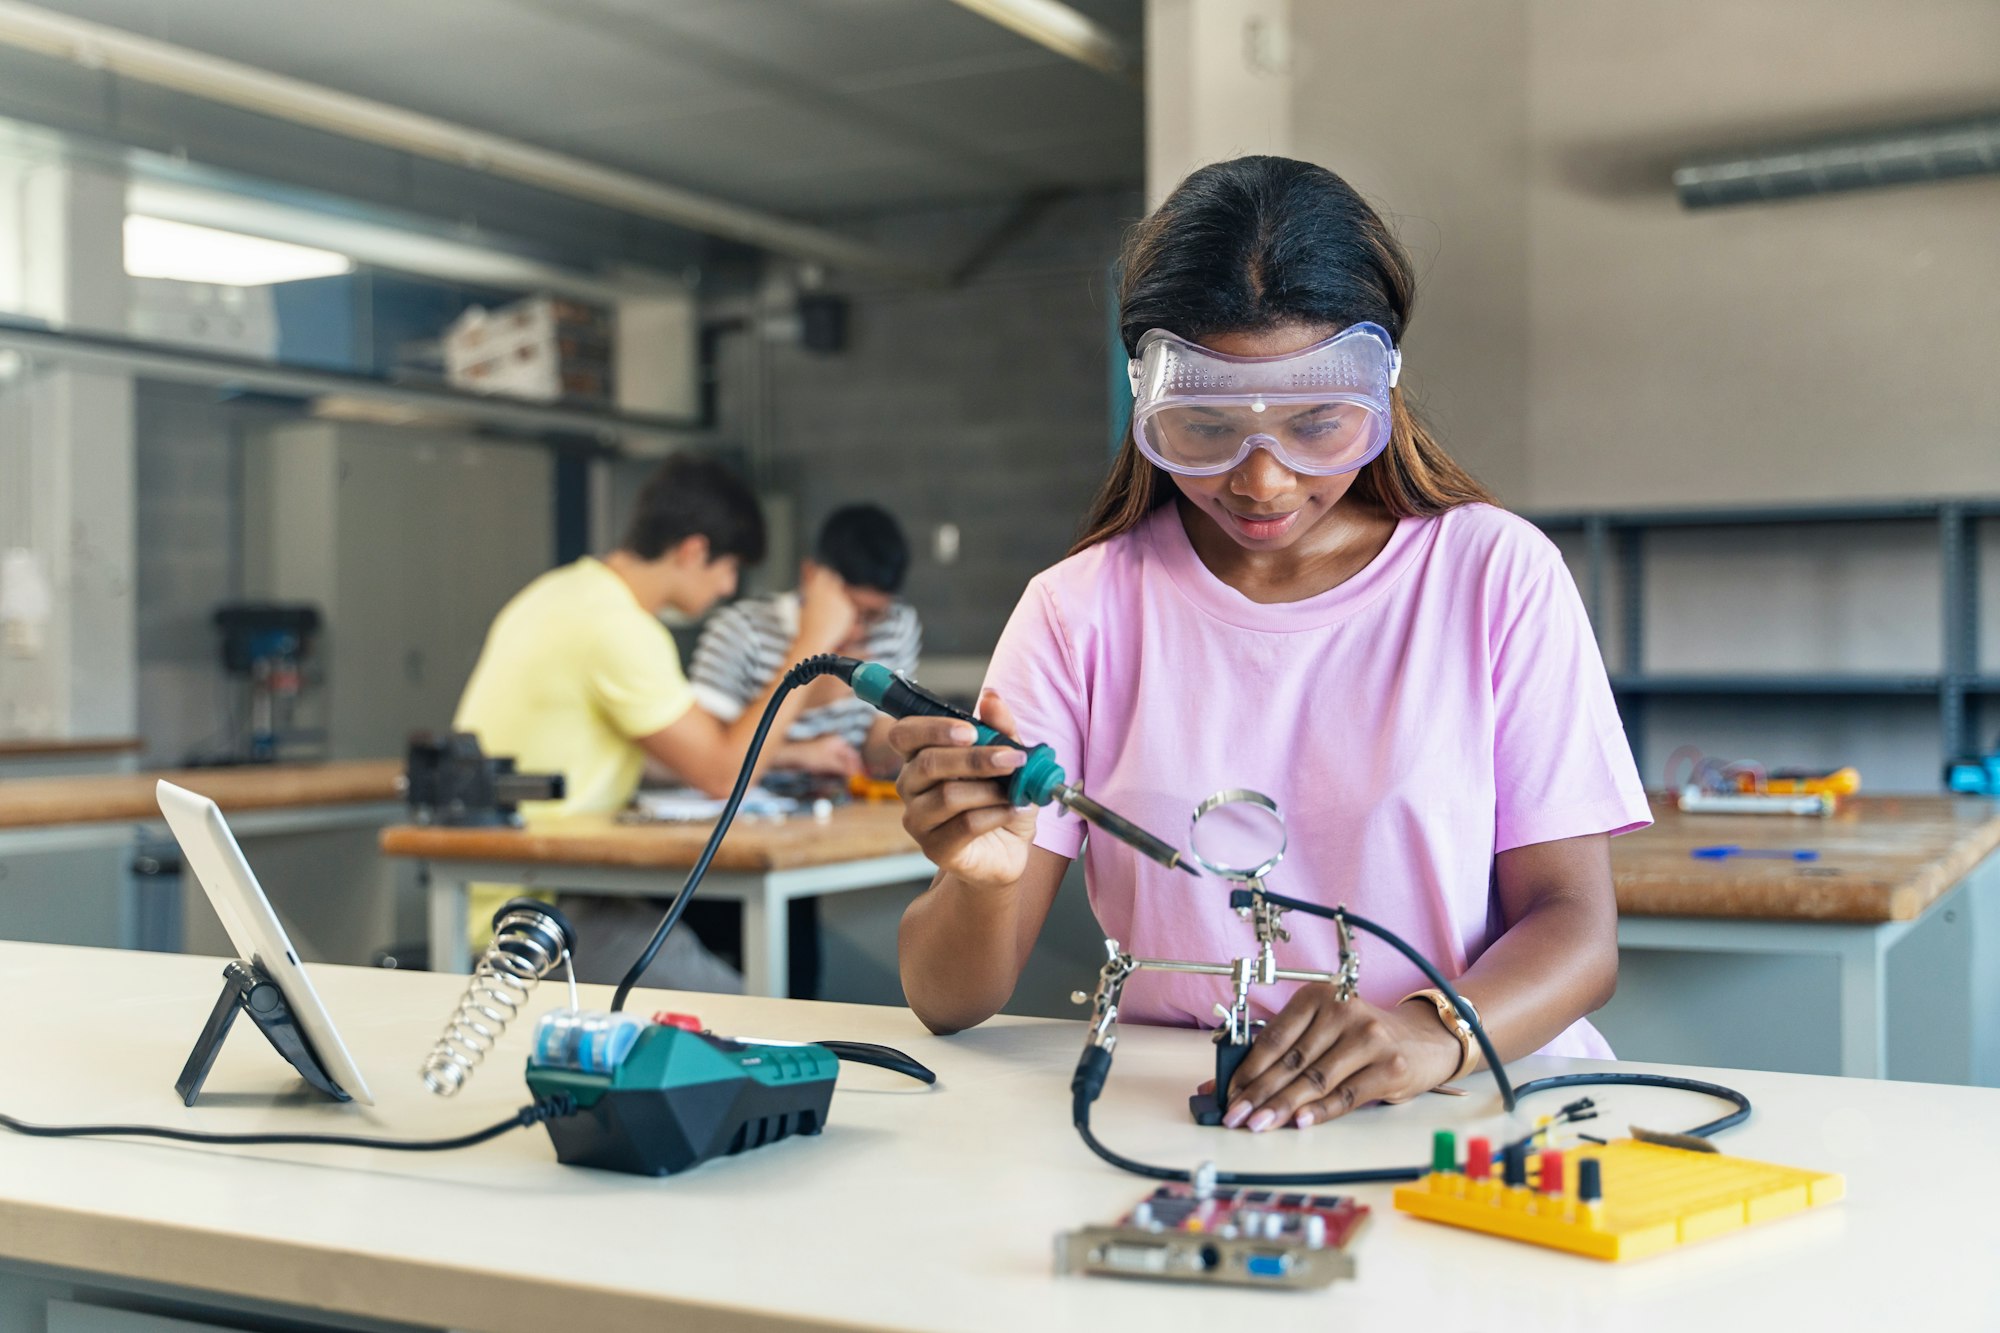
(1321, 1057)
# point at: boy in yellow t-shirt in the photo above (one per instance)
(579, 677)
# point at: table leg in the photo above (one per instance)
(1864, 1004)
(450, 950)
(766, 942)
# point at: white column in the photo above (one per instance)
(66, 459)
(1218, 85)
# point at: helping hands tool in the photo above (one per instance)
(1038, 781)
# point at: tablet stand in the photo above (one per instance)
(248, 988)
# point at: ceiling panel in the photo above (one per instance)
(497, 82)
(823, 39)
(1042, 103)
(800, 106)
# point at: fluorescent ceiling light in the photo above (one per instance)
(389, 242)
(158, 248)
(1063, 30)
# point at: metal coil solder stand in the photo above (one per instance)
(530, 940)
(248, 989)
(1238, 1030)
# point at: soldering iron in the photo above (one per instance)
(1038, 781)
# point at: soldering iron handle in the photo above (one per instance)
(892, 694)
(1036, 782)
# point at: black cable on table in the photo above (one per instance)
(544, 1109)
(882, 1057)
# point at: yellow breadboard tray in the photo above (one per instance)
(1655, 1198)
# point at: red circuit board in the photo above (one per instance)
(1242, 1237)
(1251, 1214)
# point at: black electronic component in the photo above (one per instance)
(1209, 1107)
(1589, 1180)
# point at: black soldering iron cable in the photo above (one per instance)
(1422, 964)
(1398, 1174)
(544, 1109)
(1608, 1079)
(809, 670)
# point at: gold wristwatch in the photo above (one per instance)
(1454, 1023)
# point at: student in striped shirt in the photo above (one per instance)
(743, 648)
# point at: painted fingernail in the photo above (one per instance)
(1236, 1114)
(1009, 759)
(963, 735)
(1303, 1119)
(1263, 1120)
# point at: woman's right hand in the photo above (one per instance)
(955, 796)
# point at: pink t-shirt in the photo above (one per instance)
(1446, 703)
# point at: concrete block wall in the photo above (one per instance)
(982, 405)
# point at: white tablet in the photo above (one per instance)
(253, 927)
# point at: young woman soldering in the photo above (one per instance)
(1287, 585)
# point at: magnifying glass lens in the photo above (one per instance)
(1238, 834)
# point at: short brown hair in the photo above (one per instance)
(692, 496)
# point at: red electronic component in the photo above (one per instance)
(1478, 1158)
(685, 1022)
(1552, 1171)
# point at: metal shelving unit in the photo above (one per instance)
(1615, 548)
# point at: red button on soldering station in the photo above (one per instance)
(1552, 1172)
(685, 1022)
(1478, 1158)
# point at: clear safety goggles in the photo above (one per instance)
(1322, 410)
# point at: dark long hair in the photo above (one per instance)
(1250, 245)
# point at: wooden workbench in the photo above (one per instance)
(762, 864)
(68, 847)
(1882, 858)
(39, 802)
(58, 749)
(1710, 950)
(852, 832)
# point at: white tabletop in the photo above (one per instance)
(916, 1209)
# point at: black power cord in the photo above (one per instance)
(542, 1110)
(805, 672)
(1095, 1066)
(882, 1057)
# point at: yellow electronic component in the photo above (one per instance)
(1840, 782)
(864, 788)
(1653, 1198)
